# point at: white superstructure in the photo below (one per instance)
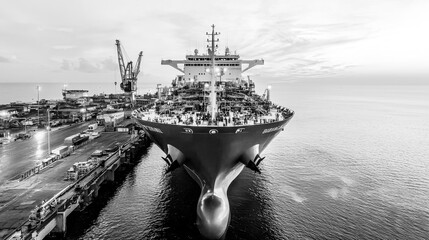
(211, 68)
(197, 67)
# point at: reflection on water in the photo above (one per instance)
(169, 212)
(343, 168)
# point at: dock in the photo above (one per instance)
(33, 206)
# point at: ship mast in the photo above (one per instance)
(212, 51)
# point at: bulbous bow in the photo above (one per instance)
(213, 214)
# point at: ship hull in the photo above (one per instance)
(213, 156)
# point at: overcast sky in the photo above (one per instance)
(73, 41)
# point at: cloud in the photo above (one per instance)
(63, 47)
(109, 64)
(295, 49)
(89, 66)
(297, 39)
(4, 59)
(55, 29)
(66, 65)
(86, 66)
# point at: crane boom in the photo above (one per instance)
(137, 67)
(120, 60)
(128, 73)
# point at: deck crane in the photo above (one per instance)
(266, 94)
(128, 73)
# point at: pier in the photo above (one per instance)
(36, 203)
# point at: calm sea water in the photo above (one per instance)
(352, 164)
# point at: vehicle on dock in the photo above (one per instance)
(55, 123)
(80, 169)
(92, 127)
(112, 148)
(49, 160)
(95, 135)
(76, 139)
(5, 137)
(22, 136)
(62, 151)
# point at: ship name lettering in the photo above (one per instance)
(268, 130)
(239, 130)
(188, 130)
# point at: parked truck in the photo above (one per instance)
(62, 151)
(55, 123)
(92, 127)
(76, 139)
(22, 136)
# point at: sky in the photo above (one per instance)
(300, 40)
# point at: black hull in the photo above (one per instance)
(213, 156)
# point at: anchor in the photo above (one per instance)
(175, 164)
(258, 159)
(168, 159)
(173, 160)
(252, 153)
(255, 163)
(252, 165)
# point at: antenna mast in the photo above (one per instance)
(212, 51)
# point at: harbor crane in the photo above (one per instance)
(128, 73)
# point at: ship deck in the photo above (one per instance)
(223, 119)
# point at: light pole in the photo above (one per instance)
(83, 111)
(48, 128)
(38, 107)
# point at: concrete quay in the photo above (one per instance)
(20, 156)
(49, 199)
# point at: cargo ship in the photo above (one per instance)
(211, 122)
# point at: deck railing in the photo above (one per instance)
(223, 119)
